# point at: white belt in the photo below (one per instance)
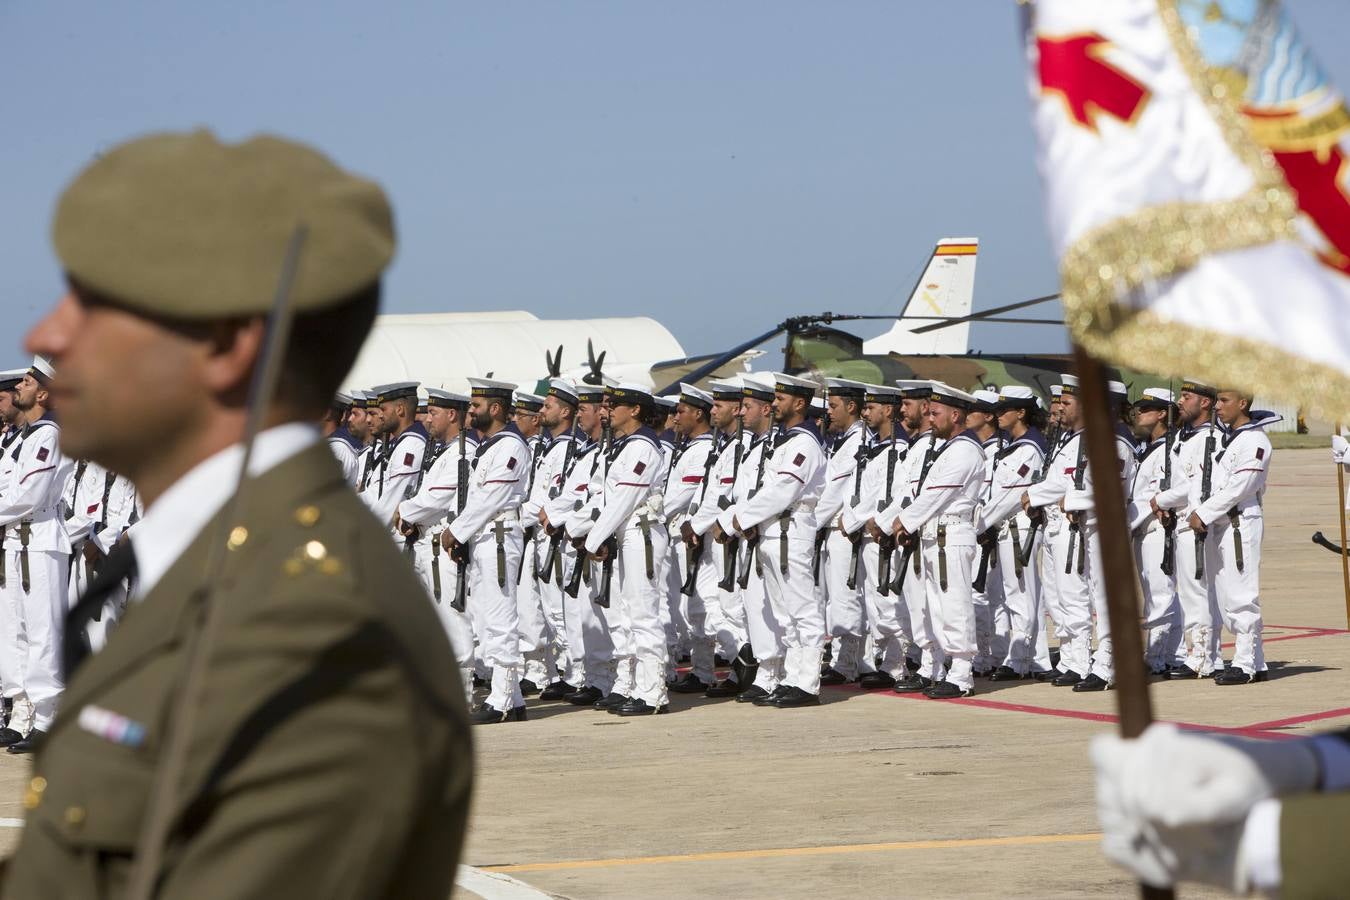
(507, 518)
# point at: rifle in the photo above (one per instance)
(886, 546)
(988, 539)
(556, 536)
(573, 585)
(912, 544)
(752, 539)
(1206, 487)
(729, 553)
(461, 554)
(1169, 521)
(428, 458)
(1038, 518)
(693, 555)
(611, 544)
(859, 466)
(527, 542)
(1076, 536)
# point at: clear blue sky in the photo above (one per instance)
(715, 165)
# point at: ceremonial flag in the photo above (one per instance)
(1194, 157)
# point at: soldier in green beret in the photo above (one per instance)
(329, 754)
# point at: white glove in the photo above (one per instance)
(1339, 447)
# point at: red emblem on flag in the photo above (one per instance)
(42, 454)
(801, 458)
(639, 468)
(1074, 68)
(407, 459)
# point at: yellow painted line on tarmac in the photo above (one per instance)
(1026, 840)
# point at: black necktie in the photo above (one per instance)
(120, 565)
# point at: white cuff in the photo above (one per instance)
(1258, 860)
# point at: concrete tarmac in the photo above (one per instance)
(874, 795)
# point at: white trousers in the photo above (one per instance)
(1201, 618)
(845, 619)
(887, 614)
(952, 608)
(1239, 591)
(493, 610)
(636, 603)
(559, 660)
(440, 574)
(1026, 647)
(588, 629)
(1074, 600)
(921, 618)
(795, 602)
(1162, 611)
(991, 613)
(41, 612)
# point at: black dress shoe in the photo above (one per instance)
(611, 702)
(833, 677)
(983, 673)
(1005, 673)
(875, 681)
(1227, 677)
(911, 665)
(724, 688)
(1178, 673)
(945, 690)
(528, 688)
(794, 696)
(720, 661)
(913, 683)
(483, 715)
(1049, 675)
(30, 742)
(557, 691)
(585, 697)
(1067, 678)
(636, 707)
(479, 682)
(688, 683)
(1093, 682)
(9, 736)
(768, 699)
(751, 694)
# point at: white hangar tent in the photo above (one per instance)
(444, 349)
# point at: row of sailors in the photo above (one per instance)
(59, 518)
(925, 537)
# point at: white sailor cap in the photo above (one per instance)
(1195, 386)
(562, 389)
(950, 396)
(914, 389)
(446, 399)
(842, 387)
(342, 398)
(668, 402)
(421, 399)
(758, 385)
(42, 369)
(794, 386)
(692, 396)
(397, 390)
(1155, 398)
(528, 402)
(11, 377)
(589, 393)
(493, 390)
(629, 394)
(1117, 389)
(1056, 391)
(880, 393)
(729, 389)
(984, 400)
(1017, 396)
(818, 404)
(1068, 385)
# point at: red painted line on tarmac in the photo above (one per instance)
(1311, 628)
(1308, 717)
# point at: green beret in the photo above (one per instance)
(184, 226)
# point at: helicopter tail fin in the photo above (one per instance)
(946, 288)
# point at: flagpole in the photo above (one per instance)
(1117, 557)
(1340, 505)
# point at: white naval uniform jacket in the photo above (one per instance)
(840, 470)
(549, 472)
(396, 475)
(951, 490)
(32, 492)
(1013, 472)
(1188, 470)
(685, 484)
(1080, 500)
(347, 451)
(1147, 483)
(637, 466)
(1240, 473)
(439, 493)
(722, 479)
(872, 491)
(497, 484)
(905, 484)
(794, 476)
(575, 486)
(86, 514)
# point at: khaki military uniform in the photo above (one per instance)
(330, 754)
